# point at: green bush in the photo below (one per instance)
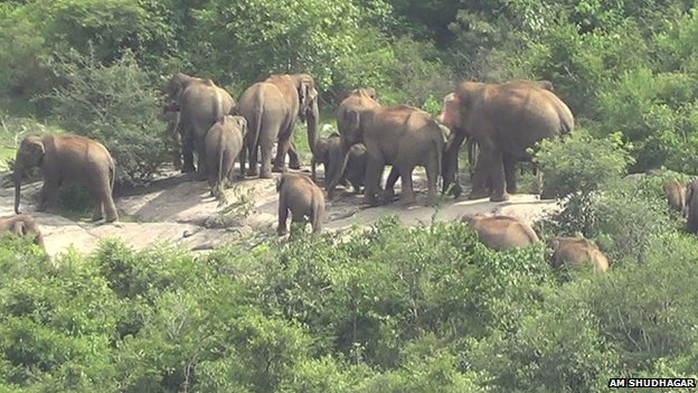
(116, 105)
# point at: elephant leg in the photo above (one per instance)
(281, 228)
(98, 211)
(294, 161)
(389, 192)
(407, 194)
(282, 149)
(432, 181)
(106, 198)
(496, 165)
(374, 170)
(266, 171)
(201, 166)
(481, 180)
(509, 162)
(48, 195)
(187, 155)
(253, 161)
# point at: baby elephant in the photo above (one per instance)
(303, 198)
(676, 195)
(222, 145)
(22, 225)
(355, 170)
(501, 232)
(576, 251)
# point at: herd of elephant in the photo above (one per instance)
(499, 121)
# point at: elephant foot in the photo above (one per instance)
(499, 198)
(456, 190)
(188, 169)
(281, 231)
(371, 201)
(266, 175)
(478, 194)
(406, 200)
(111, 219)
(253, 172)
(96, 218)
(431, 200)
(511, 190)
(295, 165)
(278, 169)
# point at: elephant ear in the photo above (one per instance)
(242, 123)
(32, 151)
(306, 93)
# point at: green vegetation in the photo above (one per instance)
(392, 309)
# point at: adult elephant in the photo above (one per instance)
(504, 120)
(271, 108)
(401, 135)
(473, 151)
(200, 104)
(68, 158)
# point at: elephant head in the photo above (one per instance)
(307, 96)
(29, 154)
(241, 123)
(174, 88)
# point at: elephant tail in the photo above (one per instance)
(218, 105)
(112, 173)
(221, 154)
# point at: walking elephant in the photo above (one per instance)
(200, 104)
(303, 198)
(573, 251)
(501, 232)
(271, 108)
(504, 120)
(224, 142)
(68, 158)
(22, 225)
(401, 135)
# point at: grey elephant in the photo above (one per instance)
(68, 158)
(271, 108)
(401, 135)
(224, 142)
(573, 251)
(200, 104)
(676, 196)
(23, 225)
(501, 232)
(692, 207)
(299, 195)
(504, 120)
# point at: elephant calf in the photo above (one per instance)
(22, 225)
(321, 153)
(501, 232)
(68, 158)
(576, 251)
(223, 144)
(300, 195)
(676, 195)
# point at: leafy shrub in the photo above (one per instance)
(115, 105)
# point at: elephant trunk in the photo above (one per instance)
(450, 159)
(312, 119)
(18, 186)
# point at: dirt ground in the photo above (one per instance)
(178, 210)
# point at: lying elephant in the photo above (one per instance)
(300, 195)
(676, 196)
(22, 225)
(68, 158)
(223, 144)
(501, 232)
(576, 251)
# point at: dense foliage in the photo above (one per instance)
(390, 309)
(95, 67)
